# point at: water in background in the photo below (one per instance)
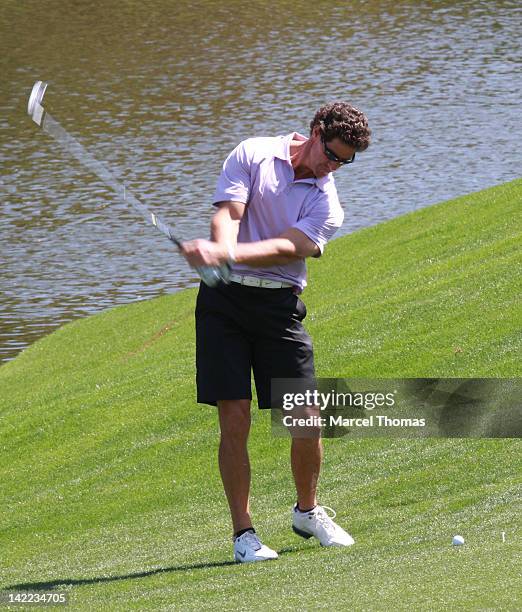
(162, 91)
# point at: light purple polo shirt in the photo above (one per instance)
(259, 174)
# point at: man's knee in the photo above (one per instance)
(304, 423)
(234, 418)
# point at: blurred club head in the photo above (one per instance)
(34, 106)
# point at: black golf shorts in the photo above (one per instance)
(240, 329)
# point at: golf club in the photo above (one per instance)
(210, 275)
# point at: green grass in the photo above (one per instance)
(109, 483)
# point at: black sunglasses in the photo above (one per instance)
(333, 157)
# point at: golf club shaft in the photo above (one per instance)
(56, 131)
(210, 275)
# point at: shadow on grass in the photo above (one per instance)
(52, 584)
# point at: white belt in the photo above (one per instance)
(254, 281)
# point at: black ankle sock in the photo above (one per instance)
(309, 509)
(242, 531)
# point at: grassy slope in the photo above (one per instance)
(110, 488)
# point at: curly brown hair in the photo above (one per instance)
(344, 121)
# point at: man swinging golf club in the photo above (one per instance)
(276, 204)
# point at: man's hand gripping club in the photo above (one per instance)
(211, 260)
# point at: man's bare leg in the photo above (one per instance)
(307, 454)
(234, 464)
(306, 458)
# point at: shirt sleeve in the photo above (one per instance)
(234, 180)
(321, 219)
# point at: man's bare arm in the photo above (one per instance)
(290, 246)
(224, 226)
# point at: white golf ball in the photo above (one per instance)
(458, 540)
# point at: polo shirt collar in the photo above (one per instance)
(282, 151)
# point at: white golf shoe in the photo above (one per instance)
(317, 523)
(248, 548)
